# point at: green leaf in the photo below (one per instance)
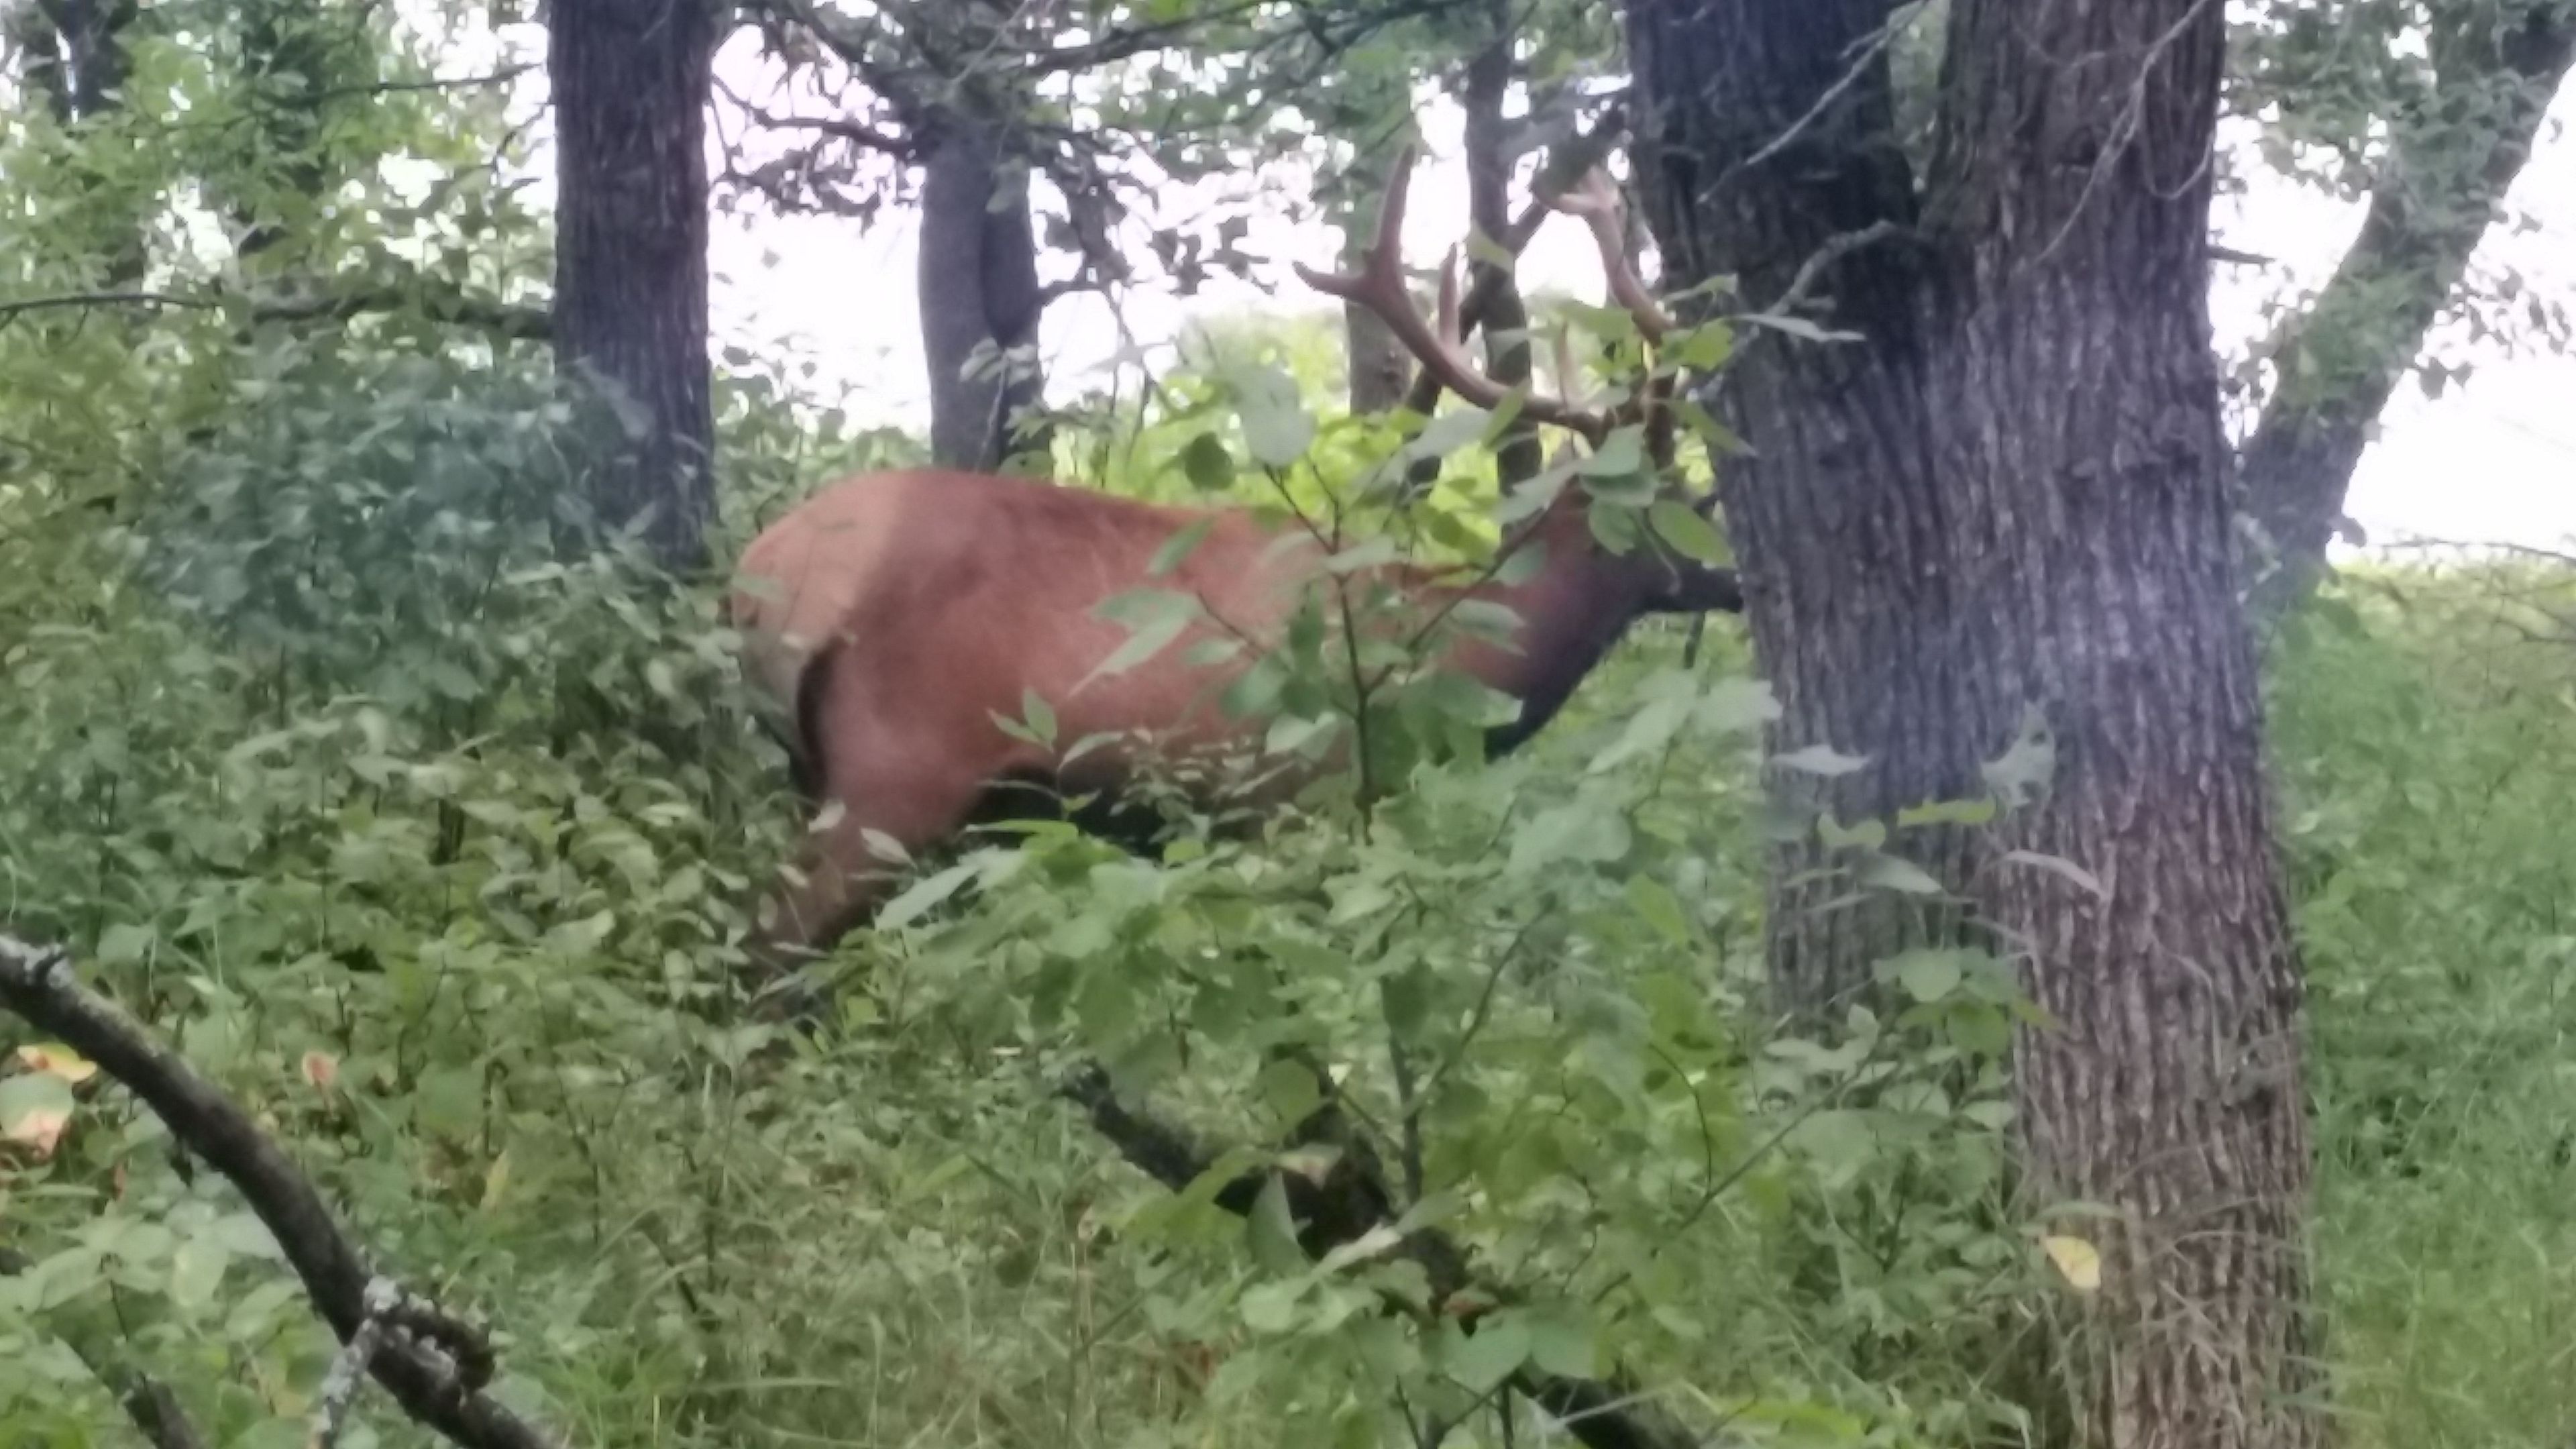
(1896, 873)
(922, 895)
(449, 1102)
(197, 1271)
(1928, 976)
(1272, 1232)
(1276, 425)
(1691, 536)
(1289, 1090)
(1655, 901)
(1482, 1360)
(1039, 716)
(1179, 547)
(1561, 1343)
(1822, 760)
(1155, 618)
(1207, 464)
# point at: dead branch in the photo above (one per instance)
(1339, 1206)
(436, 1383)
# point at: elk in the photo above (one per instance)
(894, 616)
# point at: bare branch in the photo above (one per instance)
(501, 319)
(37, 983)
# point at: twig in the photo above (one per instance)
(349, 1366)
(1835, 248)
(37, 983)
(502, 319)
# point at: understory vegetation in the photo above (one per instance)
(434, 844)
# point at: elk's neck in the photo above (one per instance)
(1572, 611)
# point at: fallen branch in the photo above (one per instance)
(436, 1367)
(1339, 1208)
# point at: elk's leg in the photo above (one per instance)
(891, 780)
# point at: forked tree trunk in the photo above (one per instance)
(2009, 501)
(630, 93)
(979, 294)
(2441, 189)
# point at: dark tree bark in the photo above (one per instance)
(979, 290)
(631, 83)
(2496, 64)
(1489, 211)
(2009, 502)
(73, 54)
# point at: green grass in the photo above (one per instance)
(2427, 743)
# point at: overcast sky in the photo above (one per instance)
(2493, 459)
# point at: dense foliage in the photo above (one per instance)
(427, 823)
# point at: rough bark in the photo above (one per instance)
(2010, 501)
(1489, 211)
(979, 291)
(630, 83)
(2496, 67)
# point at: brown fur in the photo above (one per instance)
(895, 614)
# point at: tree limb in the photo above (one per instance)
(502, 319)
(435, 1388)
(2435, 199)
(1338, 1208)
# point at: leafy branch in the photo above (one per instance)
(507, 320)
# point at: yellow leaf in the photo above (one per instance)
(56, 1059)
(2077, 1259)
(495, 1179)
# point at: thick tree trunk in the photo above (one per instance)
(1489, 211)
(979, 292)
(630, 93)
(2496, 68)
(2009, 504)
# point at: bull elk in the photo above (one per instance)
(894, 616)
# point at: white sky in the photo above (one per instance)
(2491, 460)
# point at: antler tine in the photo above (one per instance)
(1596, 200)
(1379, 287)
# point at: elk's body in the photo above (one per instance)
(894, 616)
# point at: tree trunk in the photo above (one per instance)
(1489, 211)
(630, 92)
(2009, 504)
(73, 53)
(979, 292)
(2495, 71)
(293, 55)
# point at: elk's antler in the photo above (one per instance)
(1379, 287)
(1596, 200)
